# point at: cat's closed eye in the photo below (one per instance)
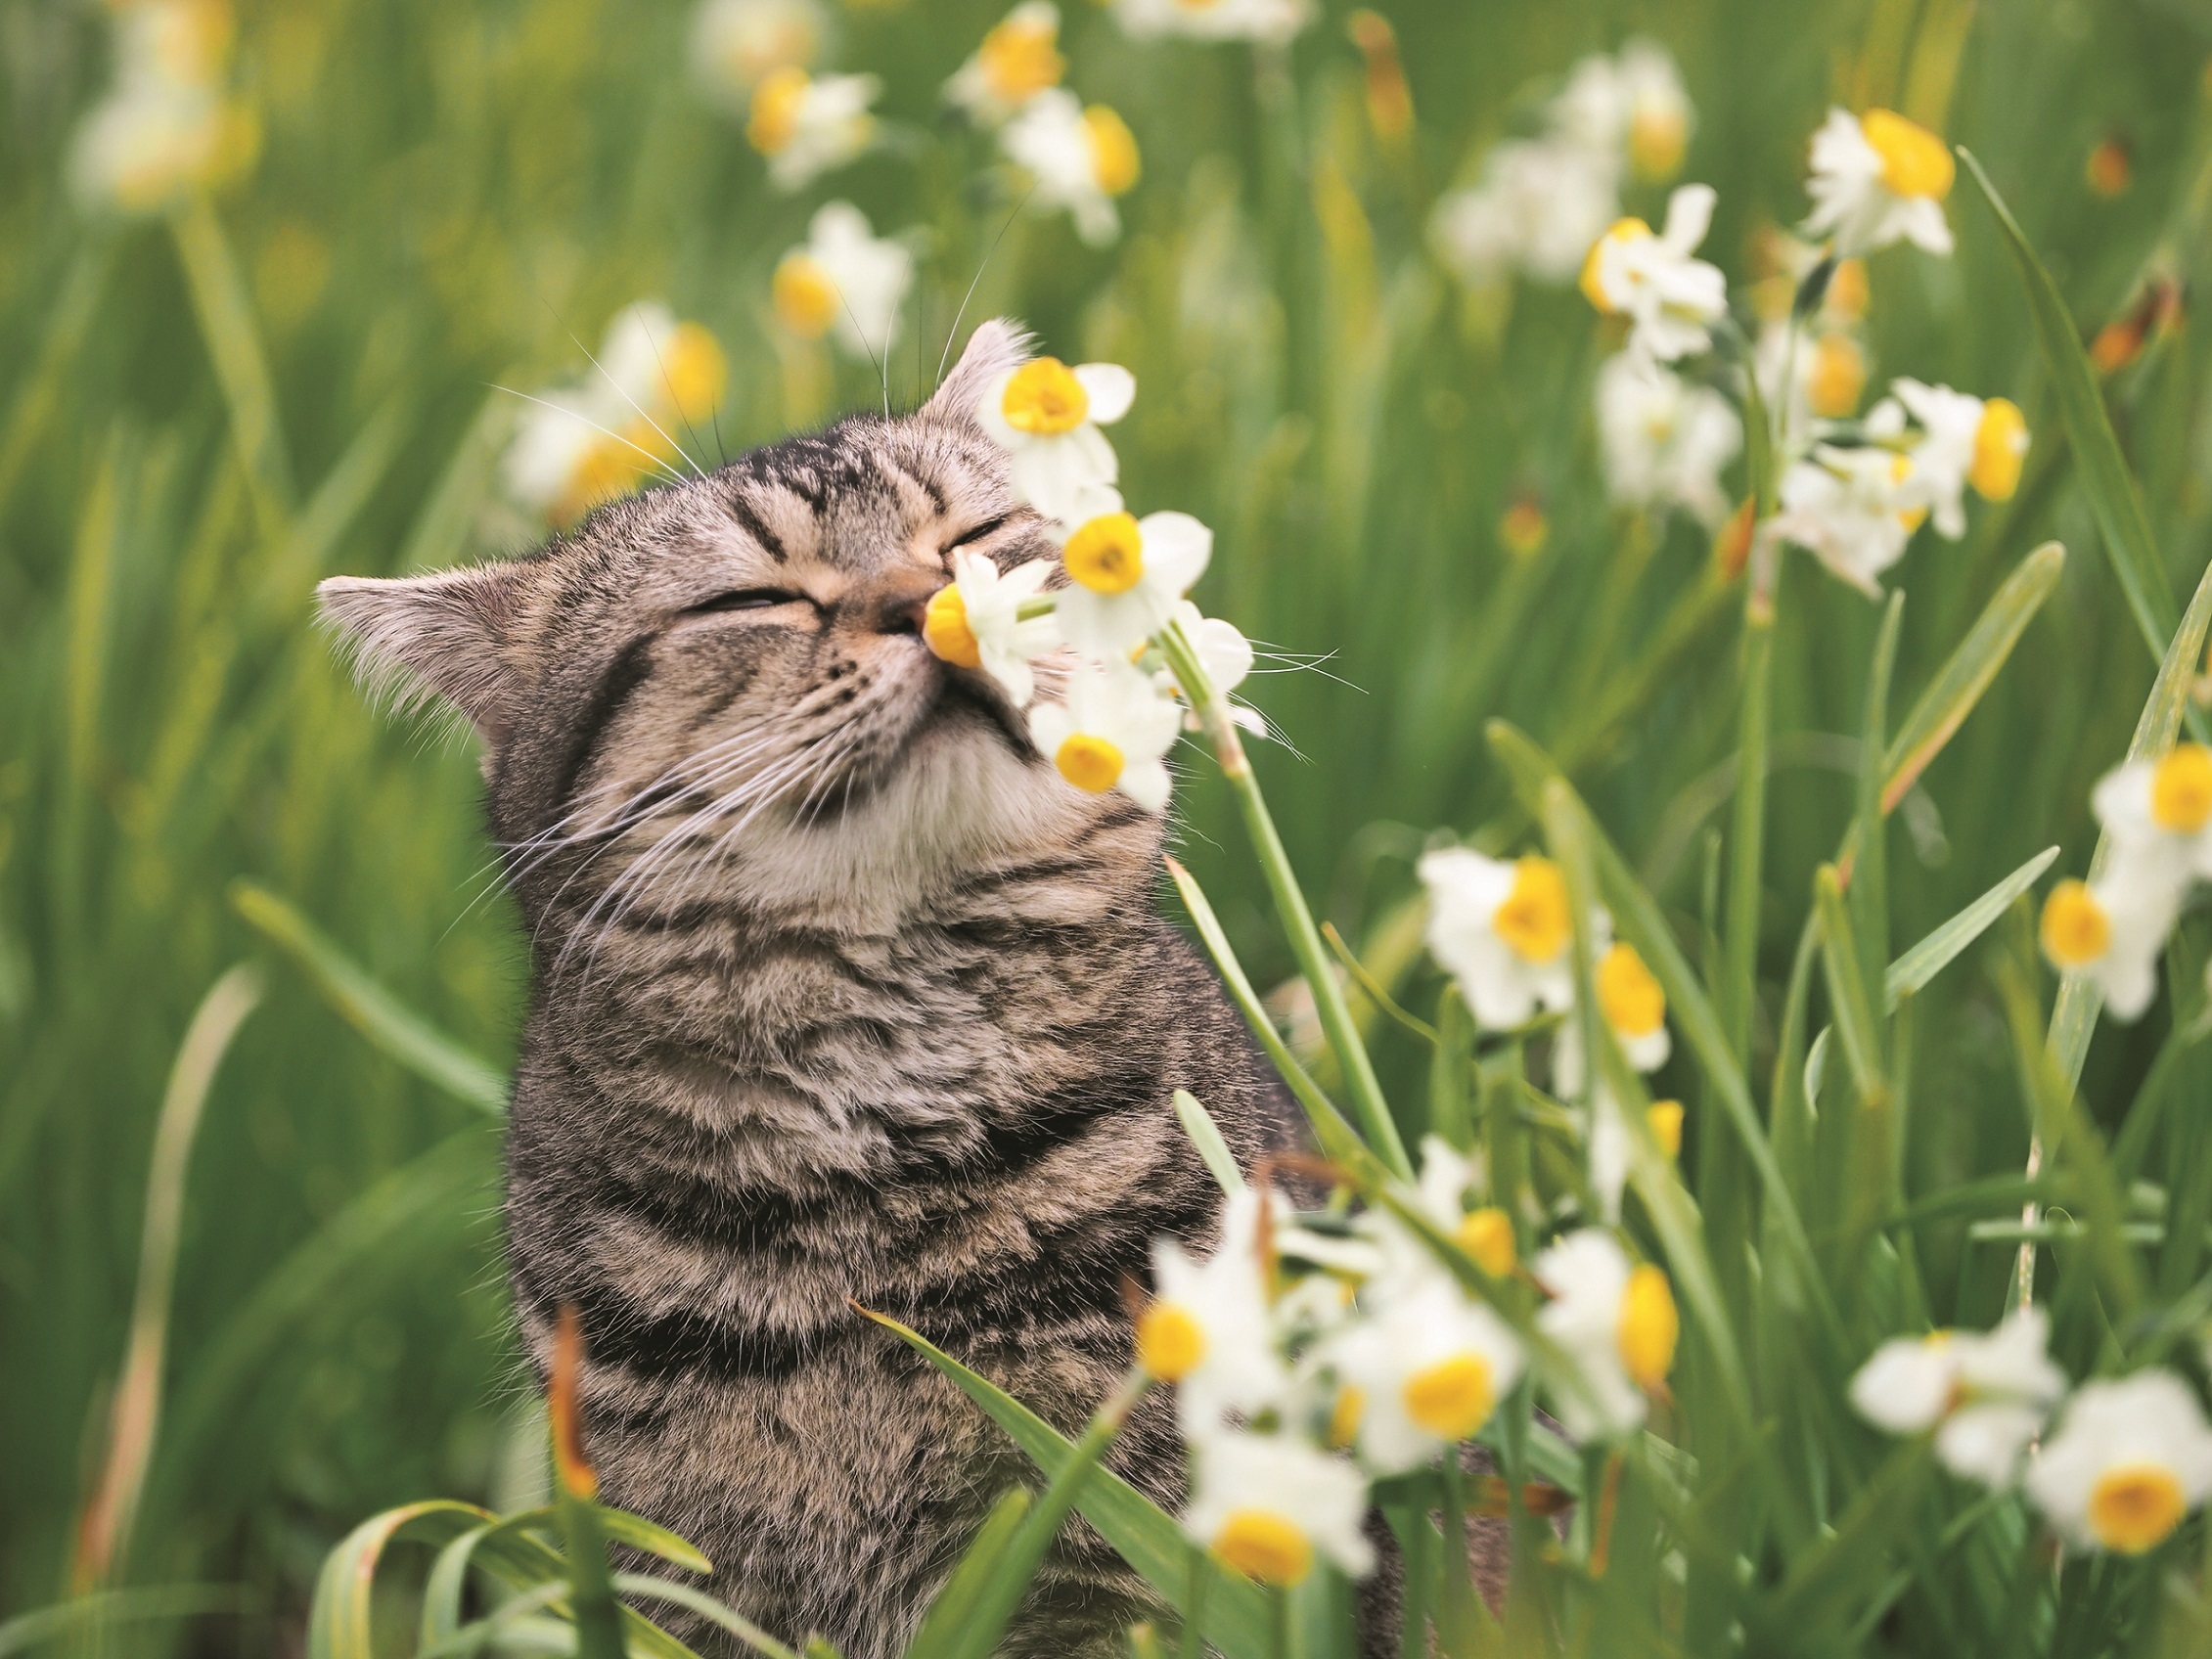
(745, 599)
(978, 532)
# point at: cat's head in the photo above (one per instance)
(718, 689)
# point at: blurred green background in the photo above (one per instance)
(449, 197)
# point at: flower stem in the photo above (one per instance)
(1369, 1109)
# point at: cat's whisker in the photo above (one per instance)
(667, 472)
(698, 471)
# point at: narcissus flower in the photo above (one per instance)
(2112, 930)
(1427, 1369)
(1080, 159)
(167, 127)
(2160, 816)
(1665, 440)
(1206, 1328)
(1962, 440)
(1853, 510)
(2132, 1456)
(736, 44)
(1018, 59)
(1617, 1324)
(1672, 298)
(1271, 20)
(1111, 733)
(1878, 178)
(1631, 106)
(1503, 929)
(1269, 1505)
(975, 622)
(844, 281)
(1046, 416)
(1986, 1395)
(1635, 1007)
(807, 125)
(1127, 576)
(1537, 207)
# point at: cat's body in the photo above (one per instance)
(842, 995)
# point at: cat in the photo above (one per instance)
(840, 994)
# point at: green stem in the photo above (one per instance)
(591, 1590)
(1747, 840)
(1368, 1109)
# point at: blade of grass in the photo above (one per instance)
(1869, 873)
(338, 1619)
(153, 1603)
(234, 346)
(60, 340)
(1917, 967)
(1206, 1134)
(954, 1604)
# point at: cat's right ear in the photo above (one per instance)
(416, 639)
(992, 349)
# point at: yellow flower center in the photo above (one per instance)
(1657, 138)
(1115, 165)
(776, 105)
(603, 472)
(805, 297)
(1847, 291)
(1524, 529)
(1089, 762)
(1533, 919)
(1019, 59)
(1633, 1003)
(1487, 1234)
(2135, 1507)
(1170, 1341)
(1452, 1397)
(1265, 1546)
(1665, 1119)
(1648, 1326)
(1344, 1417)
(2001, 444)
(694, 372)
(945, 629)
(1045, 399)
(1106, 554)
(2076, 931)
(1914, 160)
(2180, 789)
(1837, 376)
(1593, 262)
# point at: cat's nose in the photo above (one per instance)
(895, 604)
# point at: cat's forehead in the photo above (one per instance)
(818, 511)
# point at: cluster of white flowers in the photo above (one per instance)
(1314, 1353)
(653, 381)
(845, 281)
(757, 58)
(1542, 201)
(167, 125)
(2157, 821)
(2131, 1456)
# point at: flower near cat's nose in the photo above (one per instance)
(897, 603)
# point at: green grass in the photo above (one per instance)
(204, 416)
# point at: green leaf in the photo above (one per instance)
(1823, 1581)
(1237, 1616)
(2113, 494)
(379, 1017)
(1967, 671)
(60, 339)
(706, 1607)
(338, 1621)
(43, 1625)
(234, 346)
(1206, 1134)
(954, 1605)
(641, 1534)
(1912, 971)
(1869, 868)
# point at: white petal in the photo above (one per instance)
(1110, 387)
(1690, 215)
(1146, 782)
(1177, 548)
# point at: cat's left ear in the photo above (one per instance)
(448, 636)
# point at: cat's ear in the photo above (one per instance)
(992, 349)
(414, 639)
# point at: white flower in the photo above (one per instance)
(1537, 207)
(846, 280)
(1267, 1504)
(1046, 416)
(1129, 576)
(1852, 510)
(1271, 20)
(1111, 733)
(1207, 1327)
(2131, 1458)
(1879, 179)
(1405, 1266)
(1985, 1394)
(1079, 158)
(1809, 376)
(149, 144)
(736, 44)
(1635, 1007)
(1633, 104)
(2158, 814)
(1424, 1373)
(1672, 298)
(1617, 1322)
(2112, 930)
(1504, 931)
(976, 621)
(1018, 59)
(1665, 440)
(553, 438)
(807, 125)
(1963, 440)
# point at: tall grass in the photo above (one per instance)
(204, 413)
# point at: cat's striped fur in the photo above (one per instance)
(840, 994)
